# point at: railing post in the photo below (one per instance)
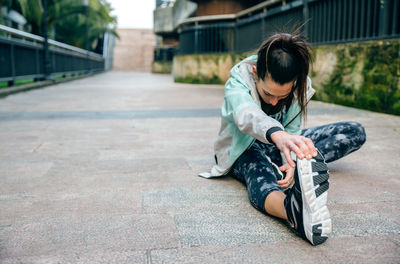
(384, 14)
(47, 66)
(13, 73)
(37, 59)
(395, 17)
(196, 37)
(306, 16)
(88, 62)
(264, 34)
(235, 37)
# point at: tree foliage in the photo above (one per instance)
(67, 20)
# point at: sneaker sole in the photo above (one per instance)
(314, 182)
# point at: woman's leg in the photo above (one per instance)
(336, 140)
(274, 204)
(307, 212)
(257, 171)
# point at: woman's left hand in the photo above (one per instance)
(287, 181)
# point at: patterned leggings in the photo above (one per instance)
(254, 168)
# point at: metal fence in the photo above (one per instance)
(164, 54)
(22, 57)
(329, 22)
(353, 20)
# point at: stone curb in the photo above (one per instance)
(36, 85)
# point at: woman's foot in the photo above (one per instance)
(305, 202)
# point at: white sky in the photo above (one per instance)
(134, 13)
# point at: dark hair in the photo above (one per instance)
(286, 57)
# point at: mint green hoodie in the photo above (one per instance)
(243, 121)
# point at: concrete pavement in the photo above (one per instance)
(103, 170)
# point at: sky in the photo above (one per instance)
(134, 13)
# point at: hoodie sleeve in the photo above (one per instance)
(245, 113)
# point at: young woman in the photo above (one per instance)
(261, 143)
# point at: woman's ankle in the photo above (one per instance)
(274, 204)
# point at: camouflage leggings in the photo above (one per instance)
(254, 168)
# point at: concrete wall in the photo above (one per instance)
(364, 75)
(166, 19)
(134, 51)
(205, 68)
(163, 19)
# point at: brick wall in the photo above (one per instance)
(134, 50)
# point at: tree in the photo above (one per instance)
(71, 29)
(67, 21)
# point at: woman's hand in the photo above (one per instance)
(287, 181)
(302, 146)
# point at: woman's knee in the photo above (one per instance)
(358, 132)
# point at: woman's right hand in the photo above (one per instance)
(303, 147)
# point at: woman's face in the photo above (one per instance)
(270, 91)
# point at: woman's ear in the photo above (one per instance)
(255, 71)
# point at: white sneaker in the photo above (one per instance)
(305, 203)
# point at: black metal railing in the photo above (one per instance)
(329, 22)
(22, 57)
(164, 54)
(354, 20)
(198, 40)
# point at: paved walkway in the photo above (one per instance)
(103, 170)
